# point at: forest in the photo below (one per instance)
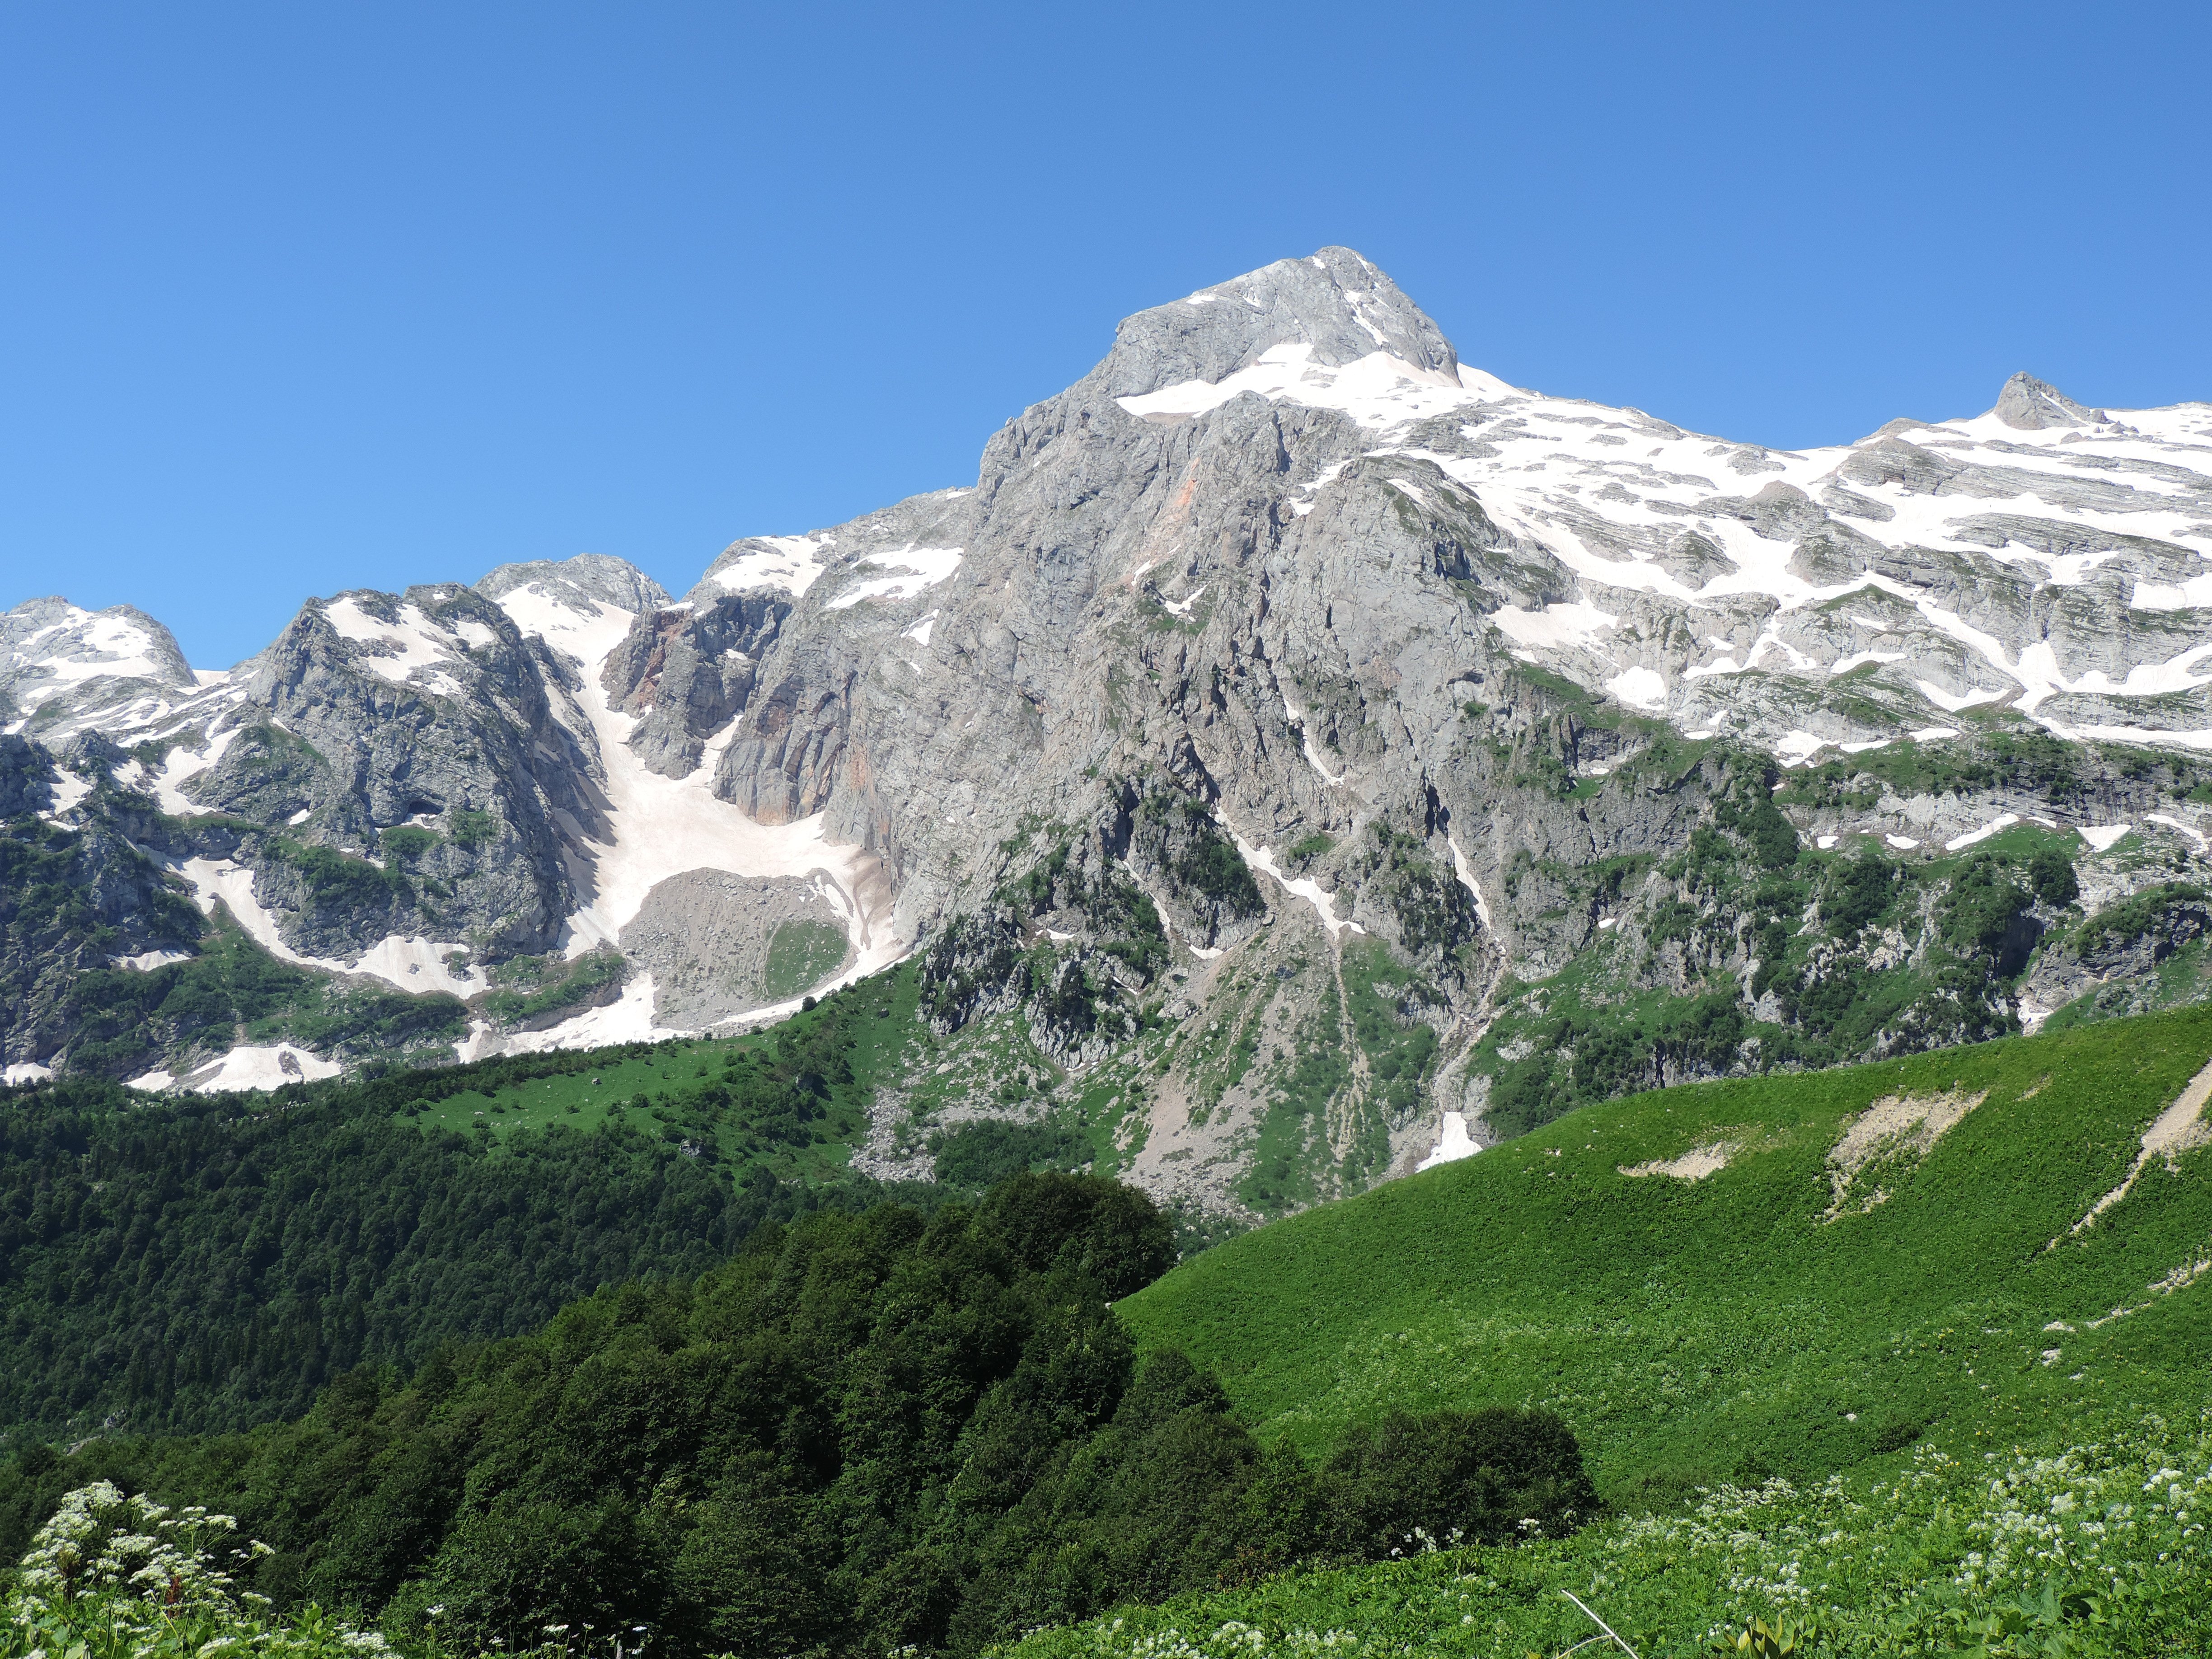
(213, 1263)
(867, 1431)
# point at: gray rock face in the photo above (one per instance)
(720, 946)
(400, 764)
(26, 773)
(2030, 406)
(689, 673)
(1281, 681)
(1335, 304)
(588, 577)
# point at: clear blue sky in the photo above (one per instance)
(297, 298)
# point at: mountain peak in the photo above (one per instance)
(599, 577)
(2031, 405)
(1336, 303)
(53, 642)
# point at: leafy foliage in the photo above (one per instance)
(2090, 1553)
(979, 1154)
(213, 1261)
(528, 990)
(125, 1019)
(867, 1431)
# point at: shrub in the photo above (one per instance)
(2050, 877)
(1484, 1476)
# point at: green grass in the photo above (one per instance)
(2089, 1552)
(800, 956)
(582, 1099)
(647, 1091)
(1695, 1333)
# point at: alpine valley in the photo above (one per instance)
(1297, 755)
(745, 1121)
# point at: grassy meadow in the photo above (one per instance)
(1900, 1406)
(1726, 1328)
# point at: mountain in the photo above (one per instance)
(1299, 757)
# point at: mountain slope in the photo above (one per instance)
(1298, 755)
(1779, 1276)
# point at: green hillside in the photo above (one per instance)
(1725, 1328)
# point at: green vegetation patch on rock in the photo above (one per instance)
(801, 954)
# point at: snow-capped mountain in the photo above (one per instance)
(1282, 620)
(83, 669)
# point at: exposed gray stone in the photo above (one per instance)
(706, 938)
(2030, 406)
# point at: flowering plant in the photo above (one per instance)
(111, 1576)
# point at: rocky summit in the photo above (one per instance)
(1297, 756)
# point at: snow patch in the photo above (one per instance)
(1181, 607)
(68, 789)
(1995, 826)
(1466, 875)
(180, 765)
(146, 961)
(1376, 390)
(2189, 829)
(920, 567)
(404, 649)
(627, 1019)
(2101, 835)
(790, 562)
(104, 646)
(1453, 1142)
(1561, 626)
(1950, 704)
(1261, 858)
(409, 963)
(1640, 688)
(26, 1071)
(663, 827)
(1298, 724)
(246, 1067)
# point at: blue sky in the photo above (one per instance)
(296, 299)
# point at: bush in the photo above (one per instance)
(111, 1575)
(980, 1155)
(1482, 1476)
(470, 828)
(406, 840)
(2050, 877)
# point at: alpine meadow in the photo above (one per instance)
(1343, 1009)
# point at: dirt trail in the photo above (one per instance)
(2179, 1128)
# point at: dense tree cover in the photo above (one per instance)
(867, 1431)
(210, 1263)
(213, 1264)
